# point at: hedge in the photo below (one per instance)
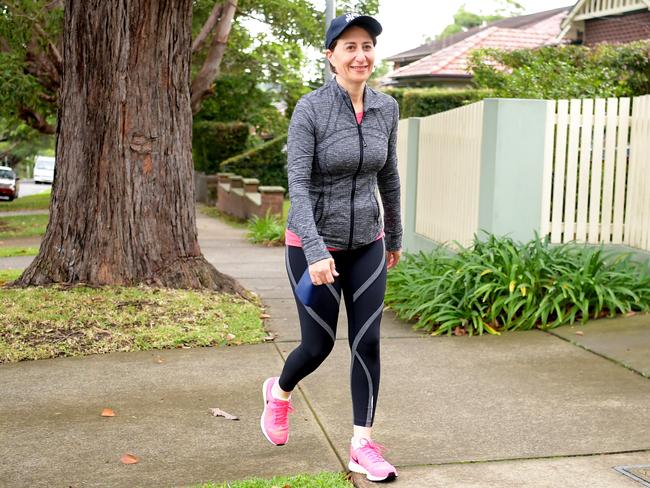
(213, 142)
(605, 70)
(267, 163)
(420, 102)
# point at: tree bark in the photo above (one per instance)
(122, 209)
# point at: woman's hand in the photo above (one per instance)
(323, 271)
(392, 257)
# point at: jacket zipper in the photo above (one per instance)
(362, 144)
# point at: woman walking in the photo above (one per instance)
(341, 148)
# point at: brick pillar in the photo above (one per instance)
(251, 196)
(250, 185)
(272, 200)
(212, 185)
(223, 190)
(236, 204)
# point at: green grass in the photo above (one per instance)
(60, 320)
(9, 275)
(40, 201)
(23, 226)
(8, 252)
(320, 480)
(498, 285)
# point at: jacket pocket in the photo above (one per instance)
(374, 197)
(318, 215)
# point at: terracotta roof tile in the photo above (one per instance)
(520, 22)
(452, 60)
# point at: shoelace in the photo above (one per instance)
(280, 409)
(373, 450)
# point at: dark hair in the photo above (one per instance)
(335, 42)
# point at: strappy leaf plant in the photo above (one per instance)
(498, 284)
(267, 230)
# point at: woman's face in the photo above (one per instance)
(354, 55)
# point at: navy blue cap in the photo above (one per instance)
(342, 22)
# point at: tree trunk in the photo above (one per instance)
(122, 208)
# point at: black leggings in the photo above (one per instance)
(362, 277)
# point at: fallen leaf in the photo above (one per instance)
(579, 332)
(217, 412)
(265, 316)
(631, 314)
(230, 337)
(271, 336)
(129, 458)
(459, 331)
(159, 360)
(107, 412)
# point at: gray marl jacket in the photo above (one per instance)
(334, 167)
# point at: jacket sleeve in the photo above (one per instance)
(300, 149)
(389, 188)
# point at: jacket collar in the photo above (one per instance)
(370, 97)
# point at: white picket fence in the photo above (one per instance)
(596, 184)
(449, 174)
(591, 170)
(637, 216)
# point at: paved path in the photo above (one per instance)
(526, 409)
(14, 213)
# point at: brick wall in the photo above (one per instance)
(243, 197)
(628, 27)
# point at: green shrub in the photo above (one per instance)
(266, 162)
(421, 102)
(499, 284)
(268, 230)
(552, 72)
(212, 142)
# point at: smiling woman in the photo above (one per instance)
(357, 44)
(341, 151)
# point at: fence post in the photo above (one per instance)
(410, 195)
(512, 167)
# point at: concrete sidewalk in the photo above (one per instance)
(526, 409)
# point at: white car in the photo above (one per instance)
(44, 169)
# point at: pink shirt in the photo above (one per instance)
(291, 239)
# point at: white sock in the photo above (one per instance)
(276, 392)
(356, 443)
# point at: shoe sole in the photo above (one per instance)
(264, 413)
(357, 468)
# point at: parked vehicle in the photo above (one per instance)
(8, 183)
(44, 169)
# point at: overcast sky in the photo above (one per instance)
(407, 23)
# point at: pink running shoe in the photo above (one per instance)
(368, 460)
(274, 421)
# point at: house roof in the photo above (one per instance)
(453, 60)
(520, 22)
